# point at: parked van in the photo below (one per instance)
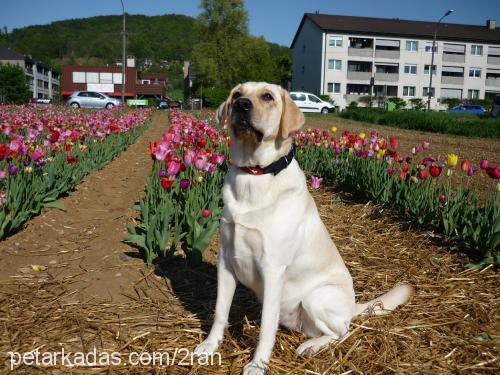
(311, 103)
(495, 110)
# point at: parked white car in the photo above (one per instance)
(311, 103)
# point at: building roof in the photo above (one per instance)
(398, 27)
(9, 54)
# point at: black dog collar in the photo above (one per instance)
(275, 167)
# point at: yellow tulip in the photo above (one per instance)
(381, 152)
(452, 160)
(333, 129)
(362, 135)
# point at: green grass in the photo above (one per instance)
(437, 122)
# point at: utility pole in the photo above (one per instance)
(124, 62)
(431, 69)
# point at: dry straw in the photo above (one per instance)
(450, 326)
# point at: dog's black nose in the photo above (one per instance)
(242, 105)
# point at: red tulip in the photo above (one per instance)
(423, 175)
(206, 213)
(442, 199)
(493, 172)
(435, 170)
(464, 165)
(391, 170)
(71, 159)
(167, 182)
(394, 141)
(202, 142)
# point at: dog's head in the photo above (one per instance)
(260, 115)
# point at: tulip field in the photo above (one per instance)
(109, 222)
(44, 153)
(183, 194)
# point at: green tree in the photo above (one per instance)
(13, 87)
(226, 53)
(398, 102)
(367, 100)
(417, 104)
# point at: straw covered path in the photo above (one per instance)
(92, 292)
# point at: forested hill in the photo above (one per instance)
(98, 39)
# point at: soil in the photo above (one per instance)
(94, 291)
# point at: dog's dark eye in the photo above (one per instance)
(236, 95)
(267, 97)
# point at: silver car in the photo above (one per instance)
(92, 99)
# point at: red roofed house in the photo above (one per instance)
(108, 80)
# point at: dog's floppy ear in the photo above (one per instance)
(291, 117)
(221, 113)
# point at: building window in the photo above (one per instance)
(476, 50)
(412, 45)
(39, 83)
(333, 87)
(425, 92)
(410, 68)
(335, 64)
(428, 47)
(335, 41)
(427, 68)
(473, 94)
(475, 72)
(78, 77)
(409, 91)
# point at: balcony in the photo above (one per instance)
(387, 54)
(452, 57)
(493, 82)
(452, 80)
(493, 60)
(359, 76)
(387, 77)
(360, 52)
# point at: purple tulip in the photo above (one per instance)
(470, 171)
(185, 183)
(13, 169)
(162, 173)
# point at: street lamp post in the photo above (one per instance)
(124, 41)
(429, 91)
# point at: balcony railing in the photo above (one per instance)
(387, 77)
(360, 52)
(493, 82)
(493, 60)
(387, 54)
(451, 57)
(452, 80)
(359, 76)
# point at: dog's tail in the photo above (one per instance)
(387, 302)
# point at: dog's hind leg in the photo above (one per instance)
(326, 315)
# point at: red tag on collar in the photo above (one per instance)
(253, 170)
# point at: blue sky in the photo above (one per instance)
(276, 20)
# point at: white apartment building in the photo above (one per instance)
(349, 57)
(43, 81)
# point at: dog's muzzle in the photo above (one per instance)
(241, 119)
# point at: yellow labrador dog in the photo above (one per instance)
(272, 238)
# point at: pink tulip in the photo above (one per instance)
(484, 164)
(425, 145)
(173, 167)
(316, 182)
(200, 162)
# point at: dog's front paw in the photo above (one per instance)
(254, 368)
(206, 348)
